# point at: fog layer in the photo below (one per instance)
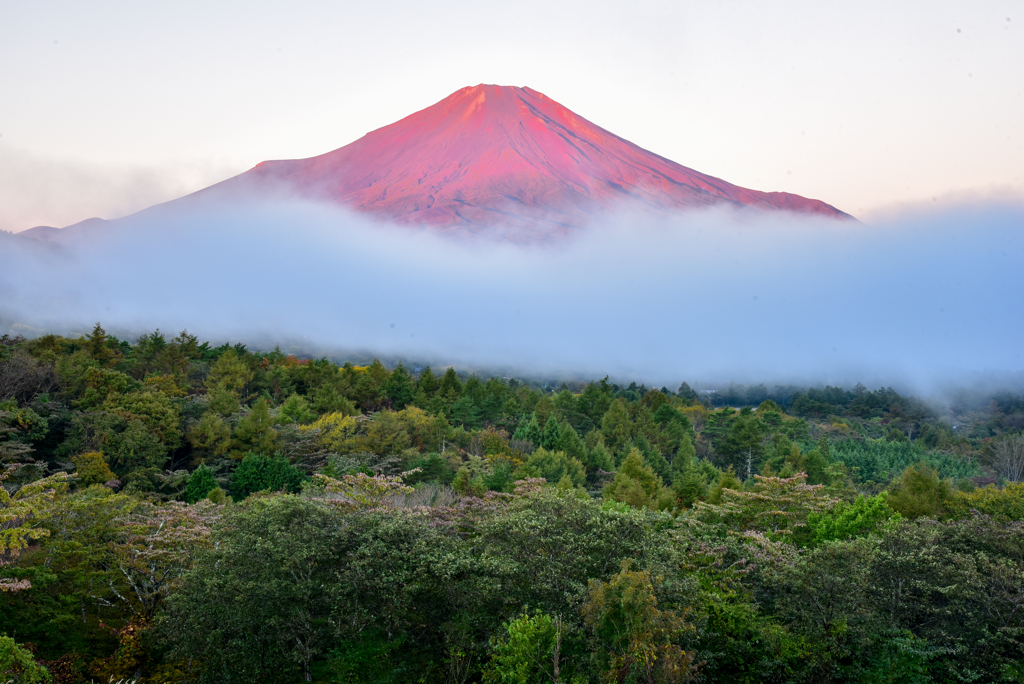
(923, 299)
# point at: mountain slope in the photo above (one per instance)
(491, 156)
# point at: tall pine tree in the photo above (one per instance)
(427, 383)
(399, 388)
(549, 438)
(451, 386)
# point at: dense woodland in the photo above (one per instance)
(177, 512)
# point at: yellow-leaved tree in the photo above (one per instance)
(92, 468)
(337, 432)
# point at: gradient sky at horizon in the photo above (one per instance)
(108, 107)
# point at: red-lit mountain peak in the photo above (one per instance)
(491, 156)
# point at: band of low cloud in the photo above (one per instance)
(924, 299)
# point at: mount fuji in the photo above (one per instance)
(498, 160)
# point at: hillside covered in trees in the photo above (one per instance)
(173, 511)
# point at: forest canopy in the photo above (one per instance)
(174, 511)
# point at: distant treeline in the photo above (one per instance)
(173, 511)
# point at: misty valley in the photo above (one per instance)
(177, 511)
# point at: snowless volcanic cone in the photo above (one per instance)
(501, 161)
(489, 158)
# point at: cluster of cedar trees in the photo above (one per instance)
(176, 512)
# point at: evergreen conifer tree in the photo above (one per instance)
(399, 388)
(533, 433)
(258, 473)
(823, 447)
(295, 409)
(450, 387)
(598, 458)
(200, 483)
(637, 484)
(686, 392)
(727, 480)
(521, 428)
(427, 383)
(549, 438)
(571, 443)
(98, 348)
(690, 487)
(683, 459)
(255, 432)
(616, 426)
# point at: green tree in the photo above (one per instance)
(99, 345)
(17, 666)
(727, 480)
(549, 437)
(451, 387)
(210, 437)
(598, 458)
(531, 432)
(950, 587)
(594, 401)
(295, 409)
(99, 384)
(616, 427)
(20, 515)
(71, 568)
(690, 486)
(200, 483)
(686, 392)
(154, 410)
(330, 398)
(637, 485)
(684, 458)
(255, 432)
(400, 388)
(258, 608)
(678, 435)
(467, 485)
(227, 379)
(427, 383)
(568, 409)
(259, 473)
(774, 506)
(92, 468)
(532, 649)
(570, 442)
(819, 595)
(743, 448)
(553, 466)
(638, 641)
(653, 457)
(864, 516)
(465, 412)
(1006, 503)
(548, 543)
(920, 492)
(654, 400)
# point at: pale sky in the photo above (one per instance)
(108, 107)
